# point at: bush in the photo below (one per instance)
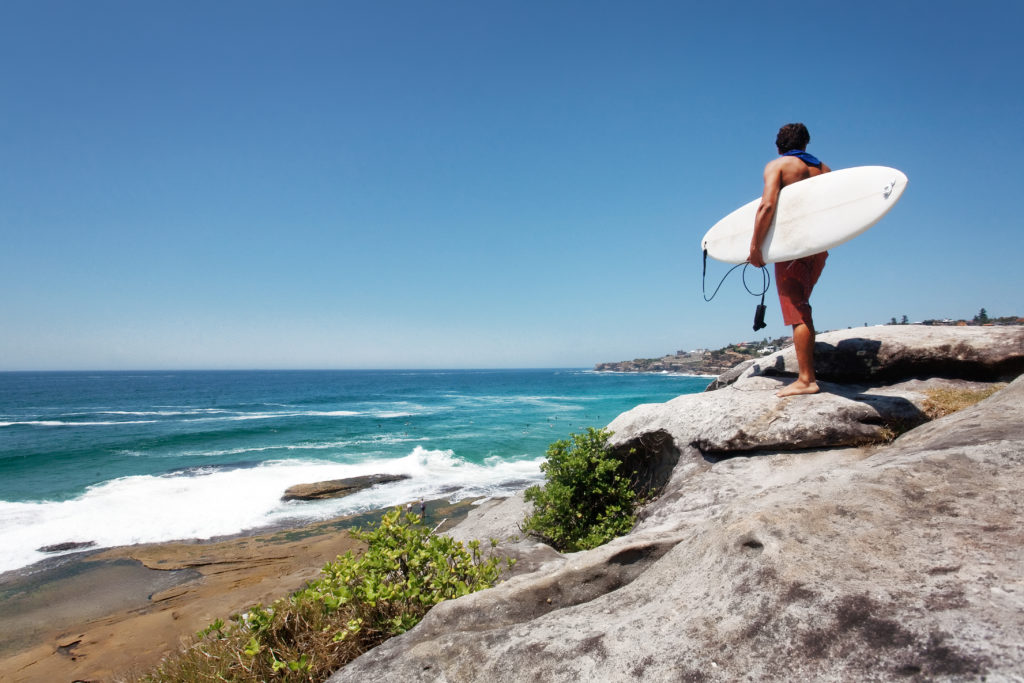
(357, 603)
(585, 500)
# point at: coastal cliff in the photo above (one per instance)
(855, 534)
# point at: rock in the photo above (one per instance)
(882, 391)
(130, 606)
(729, 376)
(747, 416)
(847, 564)
(789, 540)
(64, 547)
(894, 352)
(499, 520)
(338, 488)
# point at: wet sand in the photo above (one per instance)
(97, 615)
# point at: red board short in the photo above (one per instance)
(795, 280)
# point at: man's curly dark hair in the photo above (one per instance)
(792, 136)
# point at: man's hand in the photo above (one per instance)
(756, 259)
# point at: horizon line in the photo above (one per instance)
(384, 369)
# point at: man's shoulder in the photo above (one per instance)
(782, 162)
(790, 169)
(784, 170)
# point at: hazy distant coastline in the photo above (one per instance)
(699, 362)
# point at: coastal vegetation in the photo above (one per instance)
(357, 603)
(937, 403)
(586, 499)
(940, 402)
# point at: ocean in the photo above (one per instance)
(117, 458)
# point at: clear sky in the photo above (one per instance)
(406, 184)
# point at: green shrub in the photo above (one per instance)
(586, 499)
(357, 603)
(405, 571)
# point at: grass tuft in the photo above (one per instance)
(941, 402)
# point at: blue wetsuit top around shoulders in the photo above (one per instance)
(803, 156)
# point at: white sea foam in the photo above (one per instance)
(200, 415)
(163, 413)
(566, 401)
(231, 451)
(273, 415)
(379, 440)
(75, 423)
(212, 502)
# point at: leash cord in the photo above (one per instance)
(766, 280)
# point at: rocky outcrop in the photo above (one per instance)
(891, 353)
(336, 488)
(789, 540)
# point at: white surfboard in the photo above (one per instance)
(813, 215)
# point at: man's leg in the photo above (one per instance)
(803, 343)
(795, 280)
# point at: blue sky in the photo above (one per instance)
(477, 184)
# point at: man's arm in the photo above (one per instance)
(766, 211)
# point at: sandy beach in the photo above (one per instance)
(97, 616)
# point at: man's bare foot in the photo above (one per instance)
(798, 387)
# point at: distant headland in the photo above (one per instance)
(699, 361)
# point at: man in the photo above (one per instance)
(794, 279)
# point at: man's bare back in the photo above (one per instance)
(793, 170)
(777, 174)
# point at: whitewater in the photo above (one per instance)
(120, 458)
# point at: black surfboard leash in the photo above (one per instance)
(766, 280)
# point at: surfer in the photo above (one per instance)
(793, 279)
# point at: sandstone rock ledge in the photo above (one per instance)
(338, 488)
(787, 542)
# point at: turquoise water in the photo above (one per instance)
(122, 457)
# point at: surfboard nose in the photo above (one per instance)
(899, 180)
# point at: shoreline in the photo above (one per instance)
(101, 613)
(55, 561)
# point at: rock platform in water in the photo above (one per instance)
(338, 488)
